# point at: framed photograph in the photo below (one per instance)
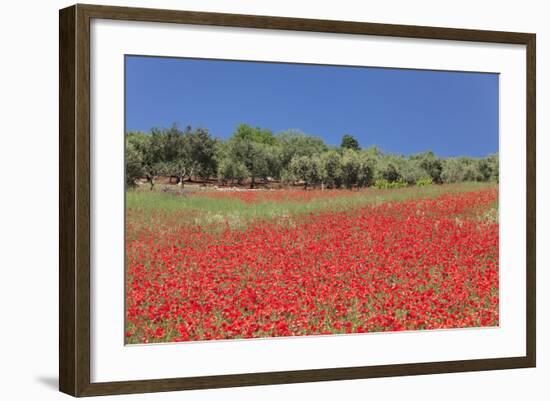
(250, 200)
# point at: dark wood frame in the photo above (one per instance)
(74, 199)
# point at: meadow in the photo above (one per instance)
(210, 264)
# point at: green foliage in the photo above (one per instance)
(200, 148)
(258, 160)
(493, 163)
(452, 171)
(229, 170)
(489, 168)
(331, 162)
(134, 163)
(170, 152)
(431, 164)
(254, 155)
(410, 170)
(307, 169)
(293, 143)
(424, 181)
(459, 169)
(367, 167)
(257, 134)
(287, 176)
(147, 151)
(349, 142)
(351, 165)
(385, 184)
(388, 168)
(357, 168)
(400, 184)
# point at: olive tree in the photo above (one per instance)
(411, 170)
(230, 170)
(293, 143)
(147, 150)
(351, 166)
(256, 159)
(458, 169)
(349, 142)
(306, 169)
(200, 148)
(387, 168)
(332, 168)
(367, 167)
(134, 162)
(431, 164)
(489, 168)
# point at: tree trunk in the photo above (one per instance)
(181, 181)
(252, 183)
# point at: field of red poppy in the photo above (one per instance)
(228, 265)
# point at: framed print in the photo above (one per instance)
(249, 200)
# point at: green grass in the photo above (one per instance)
(205, 211)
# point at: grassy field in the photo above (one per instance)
(210, 265)
(205, 207)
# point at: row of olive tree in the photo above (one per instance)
(254, 155)
(170, 152)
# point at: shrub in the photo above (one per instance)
(424, 181)
(381, 183)
(385, 184)
(400, 183)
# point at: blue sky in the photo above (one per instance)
(401, 111)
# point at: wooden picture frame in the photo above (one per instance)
(74, 199)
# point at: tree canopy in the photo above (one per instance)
(349, 142)
(253, 155)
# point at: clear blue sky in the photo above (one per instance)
(401, 111)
